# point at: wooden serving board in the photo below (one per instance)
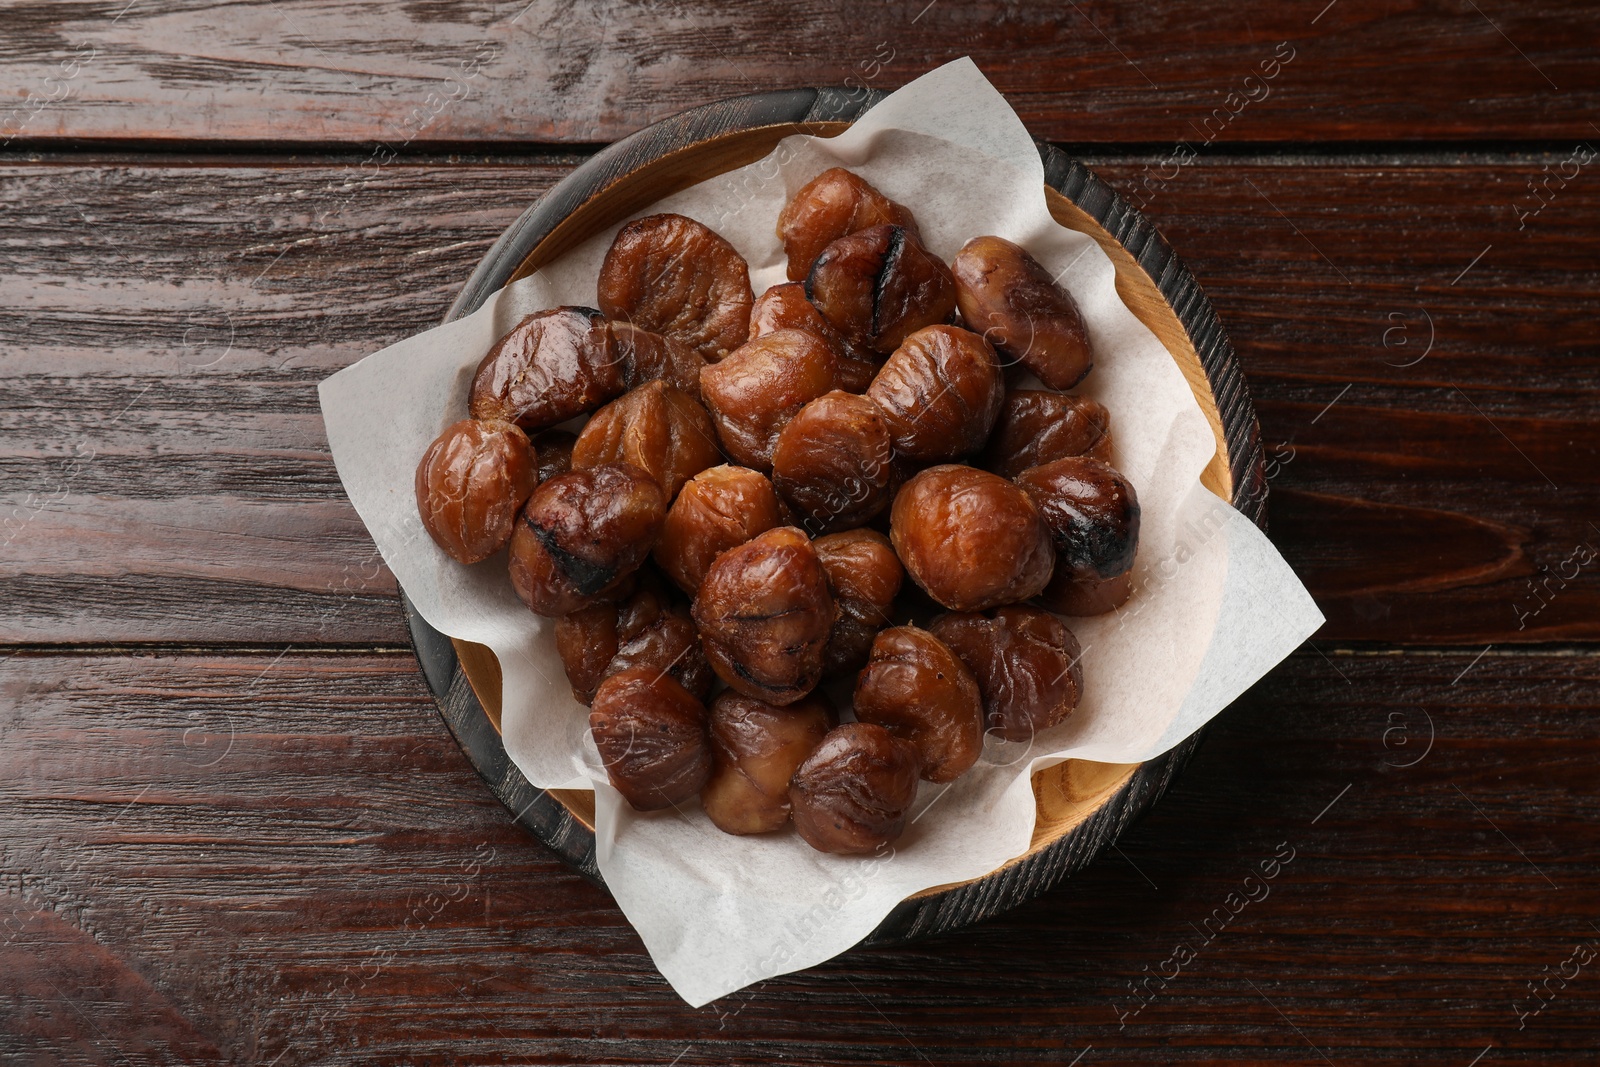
(1082, 807)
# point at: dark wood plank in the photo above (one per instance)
(165, 469)
(237, 858)
(1419, 358)
(165, 474)
(454, 71)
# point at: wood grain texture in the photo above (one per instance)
(463, 72)
(232, 858)
(166, 478)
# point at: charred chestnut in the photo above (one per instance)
(758, 388)
(718, 509)
(971, 539)
(764, 613)
(1026, 665)
(1093, 515)
(878, 286)
(915, 687)
(471, 482)
(832, 462)
(755, 749)
(657, 428)
(581, 534)
(1037, 427)
(834, 204)
(939, 392)
(672, 275)
(852, 794)
(864, 576)
(1007, 295)
(551, 366)
(652, 738)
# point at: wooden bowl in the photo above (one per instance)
(1082, 806)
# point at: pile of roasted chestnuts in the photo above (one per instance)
(754, 481)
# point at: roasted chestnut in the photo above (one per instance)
(1007, 295)
(1026, 663)
(834, 204)
(672, 275)
(758, 388)
(939, 392)
(971, 539)
(657, 428)
(648, 357)
(581, 534)
(586, 641)
(553, 450)
(471, 482)
(652, 737)
(718, 509)
(785, 307)
(864, 576)
(551, 366)
(832, 462)
(665, 639)
(755, 749)
(1036, 427)
(764, 613)
(1093, 515)
(643, 627)
(879, 286)
(852, 793)
(915, 687)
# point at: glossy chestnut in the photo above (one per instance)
(971, 539)
(834, 204)
(864, 576)
(1036, 426)
(1093, 515)
(550, 367)
(852, 794)
(915, 687)
(652, 737)
(833, 461)
(672, 275)
(666, 641)
(583, 533)
(1026, 663)
(718, 509)
(757, 389)
(657, 428)
(645, 626)
(1009, 297)
(939, 393)
(785, 307)
(470, 484)
(648, 357)
(755, 749)
(880, 285)
(764, 613)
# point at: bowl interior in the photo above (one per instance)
(1066, 794)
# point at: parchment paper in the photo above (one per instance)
(1215, 606)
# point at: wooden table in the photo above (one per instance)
(233, 828)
